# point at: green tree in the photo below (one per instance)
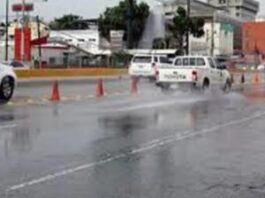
(116, 18)
(182, 24)
(68, 22)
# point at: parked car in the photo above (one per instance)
(7, 82)
(194, 71)
(19, 65)
(146, 65)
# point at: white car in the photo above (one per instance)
(146, 65)
(8, 81)
(194, 71)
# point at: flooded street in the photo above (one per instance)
(150, 145)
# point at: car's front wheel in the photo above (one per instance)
(6, 89)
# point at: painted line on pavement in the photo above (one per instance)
(8, 126)
(143, 148)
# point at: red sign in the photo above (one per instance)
(27, 46)
(18, 38)
(18, 7)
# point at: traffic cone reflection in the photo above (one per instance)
(134, 86)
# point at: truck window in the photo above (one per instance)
(186, 61)
(164, 60)
(212, 65)
(200, 62)
(178, 62)
(192, 61)
(142, 59)
(155, 59)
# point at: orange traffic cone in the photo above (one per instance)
(100, 88)
(256, 78)
(55, 95)
(134, 86)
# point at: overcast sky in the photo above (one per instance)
(85, 8)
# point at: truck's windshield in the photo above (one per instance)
(142, 59)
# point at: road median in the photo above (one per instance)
(46, 73)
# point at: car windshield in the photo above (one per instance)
(142, 59)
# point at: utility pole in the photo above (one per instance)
(39, 45)
(188, 32)
(212, 35)
(6, 30)
(129, 24)
(23, 27)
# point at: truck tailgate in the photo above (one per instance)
(141, 69)
(175, 75)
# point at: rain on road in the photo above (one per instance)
(150, 145)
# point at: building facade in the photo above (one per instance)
(246, 10)
(218, 40)
(224, 38)
(254, 37)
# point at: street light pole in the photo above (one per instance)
(6, 30)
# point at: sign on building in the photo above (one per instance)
(116, 40)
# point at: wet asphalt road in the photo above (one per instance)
(186, 145)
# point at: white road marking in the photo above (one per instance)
(145, 147)
(8, 126)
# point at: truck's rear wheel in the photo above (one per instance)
(228, 85)
(164, 87)
(206, 84)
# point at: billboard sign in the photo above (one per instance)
(116, 39)
(18, 7)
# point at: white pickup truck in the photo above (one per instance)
(195, 72)
(146, 65)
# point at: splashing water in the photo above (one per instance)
(154, 27)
